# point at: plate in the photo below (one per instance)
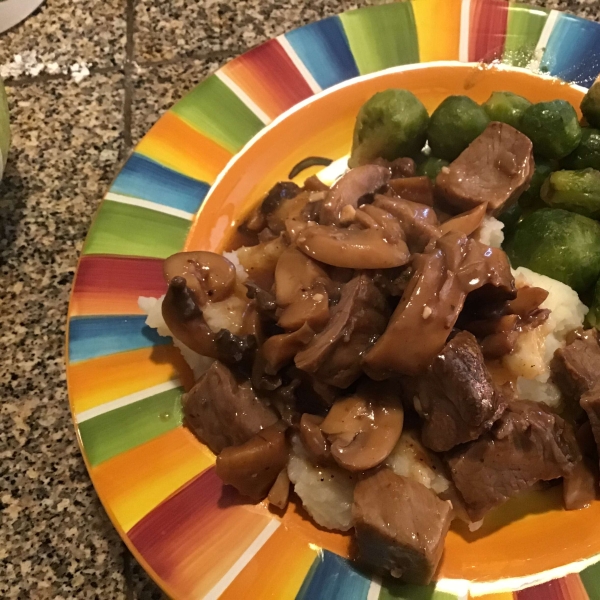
(14, 11)
(197, 170)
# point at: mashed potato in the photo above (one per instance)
(327, 493)
(530, 361)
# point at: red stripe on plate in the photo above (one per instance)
(108, 285)
(566, 588)
(269, 77)
(487, 34)
(194, 537)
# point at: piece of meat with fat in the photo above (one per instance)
(457, 397)
(495, 168)
(223, 412)
(400, 525)
(576, 367)
(334, 355)
(526, 445)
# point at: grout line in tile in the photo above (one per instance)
(129, 67)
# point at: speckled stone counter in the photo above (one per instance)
(93, 77)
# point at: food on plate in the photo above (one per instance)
(531, 198)
(506, 107)
(590, 105)
(392, 124)
(587, 154)
(368, 348)
(577, 191)
(552, 127)
(454, 124)
(560, 244)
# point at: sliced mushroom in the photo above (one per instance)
(311, 308)
(416, 189)
(420, 223)
(421, 322)
(259, 261)
(334, 355)
(280, 349)
(364, 428)
(210, 276)
(184, 318)
(528, 299)
(312, 437)
(253, 467)
(355, 184)
(352, 248)
(279, 494)
(466, 222)
(296, 274)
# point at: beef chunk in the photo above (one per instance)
(590, 402)
(400, 525)
(457, 397)
(526, 445)
(334, 355)
(496, 168)
(221, 412)
(580, 485)
(576, 367)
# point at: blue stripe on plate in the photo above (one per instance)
(333, 578)
(573, 50)
(91, 337)
(324, 49)
(146, 179)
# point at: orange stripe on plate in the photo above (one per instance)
(94, 382)
(438, 29)
(502, 596)
(91, 303)
(276, 571)
(176, 145)
(133, 483)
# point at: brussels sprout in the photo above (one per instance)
(577, 191)
(552, 127)
(506, 107)
(587, 154)
(593, 317)
(590, 105)
(530, 198)
(390, 125)
(431, 166)
(559, 244)
(454, 124)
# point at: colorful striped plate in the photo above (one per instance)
(291, 97)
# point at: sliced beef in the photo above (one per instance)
(221, 412)
(576, 367)
(526, 445)
(334, 355)
(496, 168)
(580, 486)
(590, 402)
(400, 525)
(457, 397)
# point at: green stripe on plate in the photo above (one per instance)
(392, 590)
(214, 110)
(590, 578)
(382, 36)
(125, 229)
(523, 30)
(124, 428)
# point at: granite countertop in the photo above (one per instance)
(93, 76)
